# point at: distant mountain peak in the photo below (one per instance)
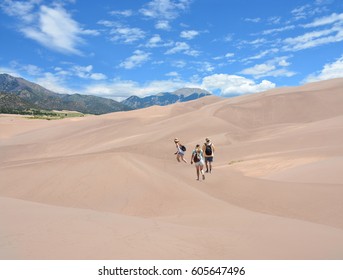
(189, 91)
(165, 98)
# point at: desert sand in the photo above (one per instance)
(109, 187)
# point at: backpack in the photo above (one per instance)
(196, 157)
(208, 150)
(183, 148)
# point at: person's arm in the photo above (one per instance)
(192, 157)
(204, 150)
(177, 148)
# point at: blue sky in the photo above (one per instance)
(120, 48)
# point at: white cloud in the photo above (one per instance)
(98, 76)
(232, 85)
(85, 72)
(32, 70)
(277, 30)
(9, 71)
(228, 38)
(283, 62)
(163, 25)
(331, 34)
(107, 23)
(156, 41)
(254, 20)
(261, 54)
(252, 44)
(229, 55)
(258, 69)
(55, 80)
(314, 39)
(300, 12)
(123, 34)
(137, 59)
(329, 71)
(116, 89)
(54, 83)
(271, 68)
(124, 13)
(121, 89)
(20, 9)
(56, 30)
(179, 63)
(265, 70)
(325, 20)
(179, 47)
(28, 69)
(172, 74)
(189, 34)
(165, 9)
(205, 67)
(183, 48)
(306, 11)
(274, 20)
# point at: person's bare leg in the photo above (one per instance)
(183, 159)
(202, 172)
(178, 157)
(206, 162)
(197, 167)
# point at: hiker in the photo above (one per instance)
(180, 150)
(208, 150)
(198, 159)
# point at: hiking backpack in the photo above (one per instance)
(208, 150)
(183, 148)
(196, 157)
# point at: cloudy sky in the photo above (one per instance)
(120, 48)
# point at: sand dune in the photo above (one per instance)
(109, 187)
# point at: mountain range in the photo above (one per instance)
(165, 98)
(20, 94)
(31, 95)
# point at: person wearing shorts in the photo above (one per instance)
(198, 159)
(208, 150)
(179, 152)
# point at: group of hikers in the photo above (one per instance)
(201, 156)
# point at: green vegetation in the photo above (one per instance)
(55, 115)
(42, 114)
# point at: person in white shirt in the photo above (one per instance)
(180, 151)
(198, 159)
